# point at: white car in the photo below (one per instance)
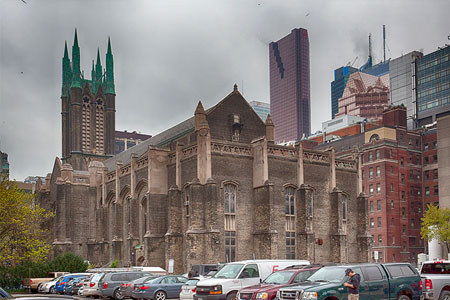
(90, 287)
(49, 286)
(226, 283)
(188, 289)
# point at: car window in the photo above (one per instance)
(250, 271)
(435, 268)
(182, 279)
(169, 280)
(301, 276)
(373, 273)
(395, 271)
(407, 271)
(210, 268)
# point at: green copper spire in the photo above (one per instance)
(76, 62)
(66, 72)
(98, 68)
(109, 70)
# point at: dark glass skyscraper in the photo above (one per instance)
(341, 76)
(290, 104)
(433, 86)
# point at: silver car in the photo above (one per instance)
(188, 289)
(90, 288)
(49, 286)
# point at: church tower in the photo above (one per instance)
(88, 109)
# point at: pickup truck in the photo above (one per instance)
(33, 283)
(399, 281)
(436, 279)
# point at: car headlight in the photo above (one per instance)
(309, 295)
(262, 295)
(216, 290)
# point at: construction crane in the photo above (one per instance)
(352, 63)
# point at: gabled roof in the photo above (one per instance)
(168, 135)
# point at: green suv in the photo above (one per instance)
(399, 281)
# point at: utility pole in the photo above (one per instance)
(384, 43)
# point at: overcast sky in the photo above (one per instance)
(168, 55)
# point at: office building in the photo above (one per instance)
(261, 108)
(433, 86)
(289, 69)
(365, 95)
(4, 165)
(341, 76)
(124, 140)
(34, 179)
(401, 75)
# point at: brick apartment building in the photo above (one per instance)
(400, 176)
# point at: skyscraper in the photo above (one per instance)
(433, 86)
(261, 108)
(341, 76)
(290, 104)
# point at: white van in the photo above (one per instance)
(234, 276)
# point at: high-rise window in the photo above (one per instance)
(379, 222)
(403, 212)
(377, 153)
(372, 223)
(378, 188)
(371, 189)
(370, 173)
(427, 191)
(378, 205)
(427, 175)
(371, 206)
(378, 171)
(230, 221)
(436, 190)
(289, 198)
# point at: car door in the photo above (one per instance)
(169, 285)
(249, 275)
(377, 283)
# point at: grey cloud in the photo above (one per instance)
(168, 55)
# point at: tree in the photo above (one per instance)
(68, 262)
(436, 225)
(21, 235)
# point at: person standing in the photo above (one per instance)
(352, 284)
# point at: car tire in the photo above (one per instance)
(160, 295)
(117, 294)
(231, 296)
(445, 295)
(51, 290)
(403, 297)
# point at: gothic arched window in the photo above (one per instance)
(99, 126)
(86, 125)
(289, 199)
(230, 221)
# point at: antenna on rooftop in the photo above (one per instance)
(384, 43)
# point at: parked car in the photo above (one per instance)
(4, 294)
(269, 287)
(49, 286)
(188, 289)
(59, 286)
(161, 288)
(90, 287)
(127, 288)
(109, 283)
(398, 281)
(436, 279)
(73, 285)
(33, 283)
(236, 275)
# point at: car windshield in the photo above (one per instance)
(280, 277)
(331, 274)
(229, 271)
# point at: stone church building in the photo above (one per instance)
(214, 188)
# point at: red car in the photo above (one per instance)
(268, 289)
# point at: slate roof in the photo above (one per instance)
(157, 140)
